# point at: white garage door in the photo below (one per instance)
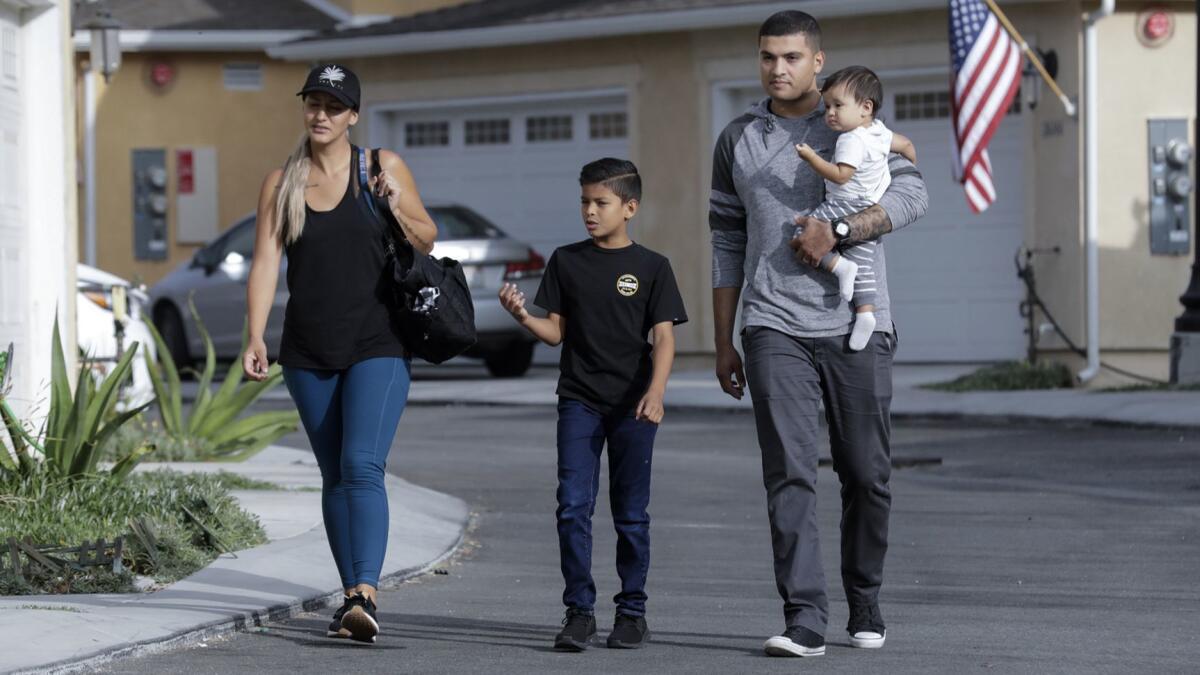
(515, 162)
(12, 224)
(954, 291)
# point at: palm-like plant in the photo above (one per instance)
(216, 418)
(77, 425)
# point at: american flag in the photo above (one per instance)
(987, 73)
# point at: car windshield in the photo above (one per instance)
(458, 222)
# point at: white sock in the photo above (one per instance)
(845, 271)
(864, 325)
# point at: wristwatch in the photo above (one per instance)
(841, 229)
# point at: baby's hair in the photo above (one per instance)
(618, 175)
(860, 82)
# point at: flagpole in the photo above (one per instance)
(1033, 58)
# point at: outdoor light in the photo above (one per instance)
(106, 43)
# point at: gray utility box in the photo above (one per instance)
(1170, 186)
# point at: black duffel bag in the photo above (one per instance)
(437, 315)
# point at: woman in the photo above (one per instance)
(341, 353)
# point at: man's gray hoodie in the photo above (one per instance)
(759, 186)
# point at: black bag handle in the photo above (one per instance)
(388, 216)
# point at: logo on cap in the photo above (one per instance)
(332, 75)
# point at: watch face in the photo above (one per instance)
(841, 228)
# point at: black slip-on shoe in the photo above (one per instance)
(629, 632)
(335, 627)
(359, 618)
(866, 627)
(796, 641)
(578, 633)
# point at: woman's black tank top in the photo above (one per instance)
(340, 307)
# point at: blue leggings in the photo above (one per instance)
(351, 416)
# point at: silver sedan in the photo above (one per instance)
(216, 276)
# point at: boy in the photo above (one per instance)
(855, 179)
(603, 296)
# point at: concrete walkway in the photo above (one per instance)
(292, 573)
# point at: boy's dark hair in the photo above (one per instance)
(618, 175)
(791, 22)
(861, 83)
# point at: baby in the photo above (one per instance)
(855, 179)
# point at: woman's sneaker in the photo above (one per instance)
(866, 627)
(796, 641)
(359, 618)
(629, 632)
(335, 628)
(578, 633)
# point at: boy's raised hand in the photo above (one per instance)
(650, 408)
(806, 152)
(513, 301)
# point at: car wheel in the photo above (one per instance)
(170, 326)
(512, 361)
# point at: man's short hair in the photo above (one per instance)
(618, 175)
(792, 22)
(860, 82)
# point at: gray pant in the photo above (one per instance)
(789, 377)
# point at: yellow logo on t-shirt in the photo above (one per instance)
(627, 285)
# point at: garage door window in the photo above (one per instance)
(548, 128)
(607, 125)
(932, 105)
(486, 132)
(426, 134)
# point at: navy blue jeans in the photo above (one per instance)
(582, 433)
(351, 416)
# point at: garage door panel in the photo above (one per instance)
(529, 187)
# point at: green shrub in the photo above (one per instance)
(1010, 376)
(192, 518)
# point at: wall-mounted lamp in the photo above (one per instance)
(1031, 80)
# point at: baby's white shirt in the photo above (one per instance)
(866, 149)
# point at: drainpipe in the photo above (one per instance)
(89, 165)
(1091, 191)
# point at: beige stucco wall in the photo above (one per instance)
(252, 132)
(1139, 292)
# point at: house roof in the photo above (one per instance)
(495, 13)
(207, 15)
(490, 23)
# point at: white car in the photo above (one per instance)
(97, 330)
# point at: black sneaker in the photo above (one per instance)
(629, 632)
(335, 628)
(866, 627)
(578, 633)
(359, 618)
(796, 641)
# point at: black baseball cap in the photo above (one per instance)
(338, 81)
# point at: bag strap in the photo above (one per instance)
(364, 185)
(388, 217)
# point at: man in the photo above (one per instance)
(795, 335)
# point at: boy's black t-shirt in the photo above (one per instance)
(610, 299)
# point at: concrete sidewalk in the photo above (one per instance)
(697, 389)
(293, 572)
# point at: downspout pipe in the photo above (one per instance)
(89, 166)
(1091, 189)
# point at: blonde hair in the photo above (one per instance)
(289, 202)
